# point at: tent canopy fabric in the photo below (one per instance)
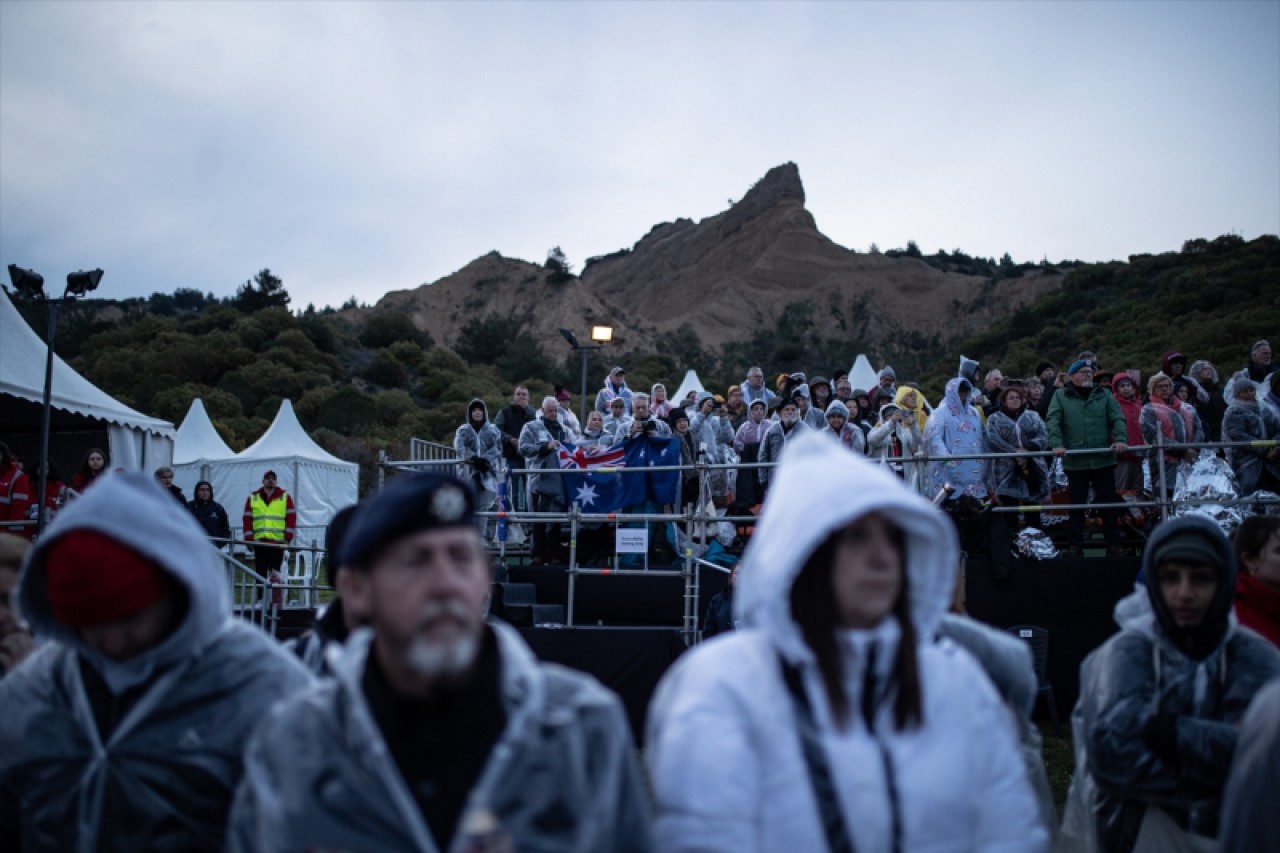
(320, 483)
(862, 375)
(691, 383)
(137, 441)
(197, 438)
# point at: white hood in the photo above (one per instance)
(817, 489)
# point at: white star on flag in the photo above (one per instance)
(586, 494)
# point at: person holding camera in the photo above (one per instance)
(643, 421)
(895, 440)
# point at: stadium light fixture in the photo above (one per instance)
(30, 285)
(80, 283)
(600, 336)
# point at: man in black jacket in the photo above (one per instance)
(511, 420)
(211, 515)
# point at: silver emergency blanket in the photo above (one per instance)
(1268, 503)
(1206, 487)
(1034, 544)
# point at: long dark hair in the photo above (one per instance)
(814, 607)
(87, 473)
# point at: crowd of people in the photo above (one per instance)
(990, 440)
(845, 701)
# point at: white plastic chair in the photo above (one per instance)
(301, 577)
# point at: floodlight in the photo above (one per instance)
(569, 336)
(80, 283)
(602, 334)
(29, 284)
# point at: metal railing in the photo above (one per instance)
(694, 517)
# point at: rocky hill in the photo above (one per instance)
(725, 278)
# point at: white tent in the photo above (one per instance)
(136, 442)
(862, 375)
(320, 483)
(691, 383)
(197, 448)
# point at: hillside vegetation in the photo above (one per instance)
(1210, 300)
(365, 381)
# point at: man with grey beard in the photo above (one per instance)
(439, 731)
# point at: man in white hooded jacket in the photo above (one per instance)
(725, 729)
(125, 730)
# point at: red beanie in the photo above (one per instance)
(92, 580)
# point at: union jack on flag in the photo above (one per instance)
(596, 486)
(581, 458)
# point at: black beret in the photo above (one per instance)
(409, 504)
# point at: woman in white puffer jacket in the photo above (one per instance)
(844, 588)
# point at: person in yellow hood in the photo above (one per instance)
(913, 401)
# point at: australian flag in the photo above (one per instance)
(594, 484)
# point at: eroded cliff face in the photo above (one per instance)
(726, 277)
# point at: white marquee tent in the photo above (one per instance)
(136, 442)
(197, 448)
(862, 375)
(320, 483)
(691, 383)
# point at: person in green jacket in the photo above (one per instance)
(1083, 416)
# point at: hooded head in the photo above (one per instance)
(1190, 541)
(146, 528)
(1235, 392)
(1204, 372)
(809, 501)
(1172, 358)
(969, 369)
(201, 498)
(952, 396)
(908, 398)
(837, 408)
(477, 405)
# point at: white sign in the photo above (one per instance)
(632, 540)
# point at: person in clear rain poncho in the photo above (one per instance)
(1161, 702)
(125, 730)
(439, 730)
(832, 716)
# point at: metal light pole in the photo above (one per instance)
(30, 285)
(601, 335)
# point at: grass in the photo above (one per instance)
(1059, 761)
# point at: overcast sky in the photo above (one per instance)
(360, 147)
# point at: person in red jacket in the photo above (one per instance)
(1129, 465)
(1257, 543)
(15, 493)
(270, 521)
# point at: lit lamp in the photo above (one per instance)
(600, 336)
(30, 286)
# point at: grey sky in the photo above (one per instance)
(361, 147)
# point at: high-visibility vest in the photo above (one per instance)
(269, 518)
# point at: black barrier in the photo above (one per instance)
(629, 661)
(654, 598)
(1073, 598)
